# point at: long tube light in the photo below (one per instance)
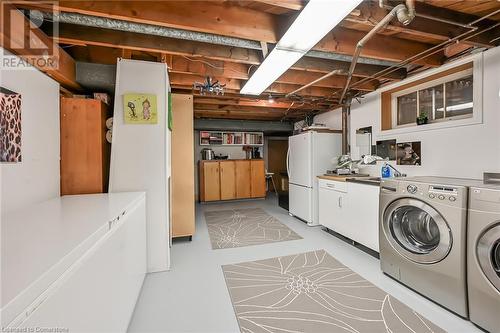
(315, 20)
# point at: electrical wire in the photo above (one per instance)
(217, 67)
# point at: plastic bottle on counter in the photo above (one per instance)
(386, 171)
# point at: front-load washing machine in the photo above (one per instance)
(423, 237)
(483, 261)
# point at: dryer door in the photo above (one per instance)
(417, 231)
(488, 254)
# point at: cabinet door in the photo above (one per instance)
(211, 181)
(365, 226)
(84, 149)
(243, 179)
(227, 180)
(341, 220)
(327, 202)
(258, 188)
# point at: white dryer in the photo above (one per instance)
(423, 237)
(483, 261)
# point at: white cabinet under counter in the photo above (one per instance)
(75, 262)
(350, 209)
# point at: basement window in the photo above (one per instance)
(451, 98)
(444, 97)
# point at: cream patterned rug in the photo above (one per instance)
(313, 292)
(244, 227)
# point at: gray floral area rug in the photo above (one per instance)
(312, 292)
(244, 227)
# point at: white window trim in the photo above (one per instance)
(477, 113)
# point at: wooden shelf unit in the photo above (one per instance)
(220, 138)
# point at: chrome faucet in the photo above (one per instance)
(397, 173)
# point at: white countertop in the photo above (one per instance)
(41, 237)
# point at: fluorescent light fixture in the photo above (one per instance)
(276, 63)
(314, 21)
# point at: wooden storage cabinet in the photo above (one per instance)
(232, 179)
(209, 181)
(227, 180)
(85, 151)
(243, 185)
(258, 179)
(183, 199)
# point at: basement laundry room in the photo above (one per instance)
(260, 166)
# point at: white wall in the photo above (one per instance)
(463, 151)
(36, 178)
(332, 119)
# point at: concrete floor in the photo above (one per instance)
(193, 297)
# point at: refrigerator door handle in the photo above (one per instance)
(288, 162)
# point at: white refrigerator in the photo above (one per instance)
(309, 155)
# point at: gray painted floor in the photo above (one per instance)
(193, 297)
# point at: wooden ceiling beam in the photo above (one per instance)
(80, 35)
(287, 4)
(188, 80)
(261, 103)
(236, 116)
(219, 69)
(242, 22)
(213, 107)
(185, 82)
(334, 81)
(58, 65)
(371, 13)
(203, 16)
(343, 41)
(75, 34)
(362, 70)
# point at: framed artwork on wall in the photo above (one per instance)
(10, 126)
(386, 149)
(409, 153)
(140, 108)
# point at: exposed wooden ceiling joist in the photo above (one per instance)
(250, 109)
(343, 41)
(232, 56)
(187, 80)
(204, 16)
(288, 4)
(75, 34)
(262, 103)
(242, 22)
(371, 13)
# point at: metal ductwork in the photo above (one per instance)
(156, 30)
(406, 14)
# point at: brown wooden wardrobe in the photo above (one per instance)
(85, 152)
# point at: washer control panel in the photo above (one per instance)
(443, 193)
(451, 195)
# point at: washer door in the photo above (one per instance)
(488, 254)
(417, 231)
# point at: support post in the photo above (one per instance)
(346, 109)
